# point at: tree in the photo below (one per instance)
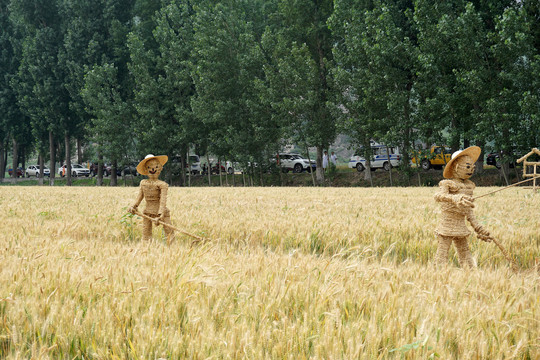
(84, 30)
(302, 27)
(510, 117)
(108, 88)
(9, 109)
(163, 83)
(228, 73)
(379, 49)
(111, 120)
(39, 83)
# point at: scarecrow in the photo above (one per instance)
(154, 191)
(455, 195)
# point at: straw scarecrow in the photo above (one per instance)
(154, 191)
(455, 195)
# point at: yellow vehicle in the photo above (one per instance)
(436, 158)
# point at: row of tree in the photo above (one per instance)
(242, 78)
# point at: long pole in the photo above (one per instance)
(506, 187)
(503, 250)
(506, 255)
(169, 226)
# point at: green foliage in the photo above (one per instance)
(241, 79)
(229, 81)
(299, 45)
(111, 113)
(129, 224)
(163, 85)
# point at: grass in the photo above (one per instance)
(288, 273)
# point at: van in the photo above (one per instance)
(379, 158)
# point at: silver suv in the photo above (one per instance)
(295, 162)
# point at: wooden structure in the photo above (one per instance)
(534, 164)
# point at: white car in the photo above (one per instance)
(76, 170)
(195, 163)
(232, 167)
(379, 159)
(296, 163)
(33, 170)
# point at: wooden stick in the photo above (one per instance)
(506, 187)
(138, 213)
(506, 255)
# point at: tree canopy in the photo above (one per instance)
(241, 79)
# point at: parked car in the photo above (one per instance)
(94, 169)
(493, 159)
(130, 169)
(194, 163)
(33, 170)
(296, 163)
(76, 170)
(232, 167)
(20, 172)
(379, 158)
(439, 156)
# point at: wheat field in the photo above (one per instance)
(286, 273)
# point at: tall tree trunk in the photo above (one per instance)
(114, 176)
(100, 169)
(209, 170)
(310, 167)
(480, 162)
(5, 159)
(279, 168)
(367, 172)
(15, 162)
(68, 159)
(454, 137)
(389, 165)
(504, 167)
(518, 175)
(261, 178)
(189, 168)
(219, 171)
(2, 160)
(41, 168)
(52, 164)
(367, 156)
(61, 154)
(320, 170)
(418, 165)
(404, 152)
(183, 167)
(79, 151)
(23, 159)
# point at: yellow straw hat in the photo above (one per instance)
(141, 168)
(472, 151)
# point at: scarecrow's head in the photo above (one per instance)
(461, 166)
(464, 167)
(152, 166)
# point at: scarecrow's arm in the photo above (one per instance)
(163, 187)
(481, 232)
(447, 193)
